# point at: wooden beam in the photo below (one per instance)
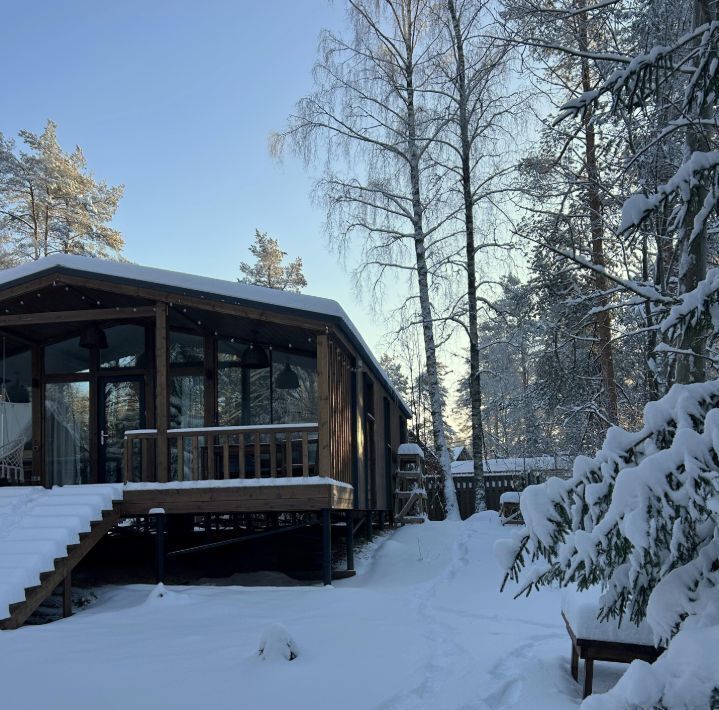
(37, 410)
(79, 316)
(162, 390)
(323, 392)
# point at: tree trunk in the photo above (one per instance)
(693, 261)
(475, 383)
(596, 226)
(435, 398)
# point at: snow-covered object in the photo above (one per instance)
(161, 595)
(276, 644)
(684, 677)
(509, 497)
(410, 449)
(37, 525)
(639, 518)
(582, 609)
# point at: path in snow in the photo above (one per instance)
(422, 626)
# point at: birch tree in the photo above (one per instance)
(50, 202)
(373, 117)
(474, 82)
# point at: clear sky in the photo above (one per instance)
(175, 99)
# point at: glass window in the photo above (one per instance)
(125, 346)
(294, 388)
(243, 395)
(186, 349)
(66, 357)
(187, 401)
(67, 422)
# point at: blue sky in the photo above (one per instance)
(176, 99)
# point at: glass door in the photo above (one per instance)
(122, 407)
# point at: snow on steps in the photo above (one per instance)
(36, 527)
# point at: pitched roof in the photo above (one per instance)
(248, 295)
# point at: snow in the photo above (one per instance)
(410, 450)
(532, 463)
(239, 483)
(509, 497)
(422, 626)
(231, 291)
(582, 609)
(462, 468)
(276, 644)
(37, 525)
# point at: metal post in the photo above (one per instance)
(349, 539)
(326, 546)
(159, 514)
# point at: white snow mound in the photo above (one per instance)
(276, 644)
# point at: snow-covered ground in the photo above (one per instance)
(423, 625)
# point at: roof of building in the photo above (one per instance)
(515, 465)
(216, 289)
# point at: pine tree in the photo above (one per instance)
(269, 270)
(50, 203)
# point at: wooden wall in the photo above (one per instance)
(334, 373)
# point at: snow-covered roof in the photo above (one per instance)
(533, 463)
(462, 468)
(456, 451)
(216, 289)
(410, 449)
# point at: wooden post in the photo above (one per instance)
(162, 390)
(38, 407)
(575, 663)
(67, 595)
(159, 515)
(326, 546)
(368, 525)
(588, 677)
(323, 391)
(349, 539)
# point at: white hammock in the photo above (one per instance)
(11, 454)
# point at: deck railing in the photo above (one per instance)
(212, 453)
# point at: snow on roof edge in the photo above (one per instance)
(247, 293)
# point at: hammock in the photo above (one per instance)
(11, 454)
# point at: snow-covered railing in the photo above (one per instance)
(210, 453)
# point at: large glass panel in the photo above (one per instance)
(186, 349)
(67, 454)
(187, 401)
(122, 410)
(294, 390)
(243, 395)
(66, 357)
(125, 346)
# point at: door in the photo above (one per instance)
(122, 407)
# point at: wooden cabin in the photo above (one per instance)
(201, 395)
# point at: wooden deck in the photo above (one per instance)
(256, 498)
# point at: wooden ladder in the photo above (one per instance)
(61, 574)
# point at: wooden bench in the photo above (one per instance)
(591, 650)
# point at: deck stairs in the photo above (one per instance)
(44, 533)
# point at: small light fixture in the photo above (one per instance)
(93, 336)
(254, 358)
(287, 379)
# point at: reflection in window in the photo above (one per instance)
(66, 357)
(67, 456)
(125, 346)
(15, 405)
(186, 349)
(243, 395)
(294, 390)
(187, 401)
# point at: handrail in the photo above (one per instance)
(208, 453)
(204, 431)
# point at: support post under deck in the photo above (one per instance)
(349, 539)
(326, 546)
(67, 595)
(159, 514)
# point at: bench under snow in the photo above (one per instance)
(595, 640)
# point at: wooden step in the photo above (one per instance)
(50, 579)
